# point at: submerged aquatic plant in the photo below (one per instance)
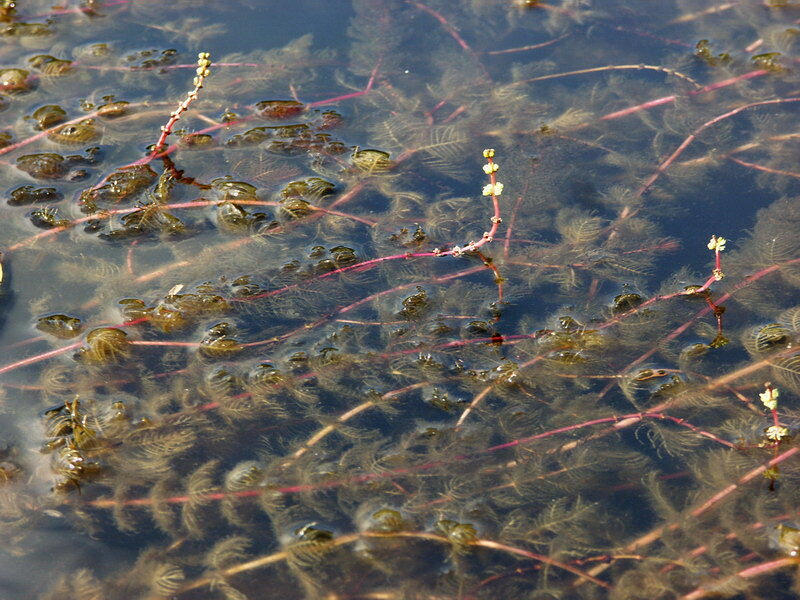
(300, 344)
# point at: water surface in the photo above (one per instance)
(301, 350)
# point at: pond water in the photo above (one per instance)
(399, 299)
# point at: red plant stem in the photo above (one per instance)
(752, 46)
(634, 109)
(498, 279)
(358, 94)
(367, 477)
(744, 283)
(239, 242)
(445, 24)
(656, 533)
(711, 279)
(715, 276)
(429, 113)
(668, 99)
(541, 558)
(44, 133)
(362, 266)
(460, 110)
(711, 589)
(417, 535)
(368, 264)
(443, 278)
(635, 417)
(749, 476)
(39, 357)
(610, 68)
(45, 355)
(624, 422)
(129, 259)
(532, 47)
(675, 333)
(161, 151)
(511, 223)
(167, 343)
(472, 405)
(717, 383)
(718, 312)
(354, 190)
(693, 136)
(496, 220)
(166, 130)
(305, 328)
(750, 165)
(106, 214)
(343, 418)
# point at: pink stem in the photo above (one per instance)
(749, 476)
(363, 92)
(39, 357)
(667, 99)
(712, 588)
(532, 47)
(367, 477)
(750, 165)
(41, 134)
(693, 136)
(178, 205)
(445, 24)
(633, 417)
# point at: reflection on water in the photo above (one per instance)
(313, 347)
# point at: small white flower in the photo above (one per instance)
(490, 168)
(769, 398)
(493, 190)
(717, 243)
(776, 432)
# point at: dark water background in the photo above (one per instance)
(238, 368)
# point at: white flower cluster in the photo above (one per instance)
(493, 189)
(769, 398)
(203, 63)
(717, 243)
(776, 432)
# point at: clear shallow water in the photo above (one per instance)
(242, 366)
